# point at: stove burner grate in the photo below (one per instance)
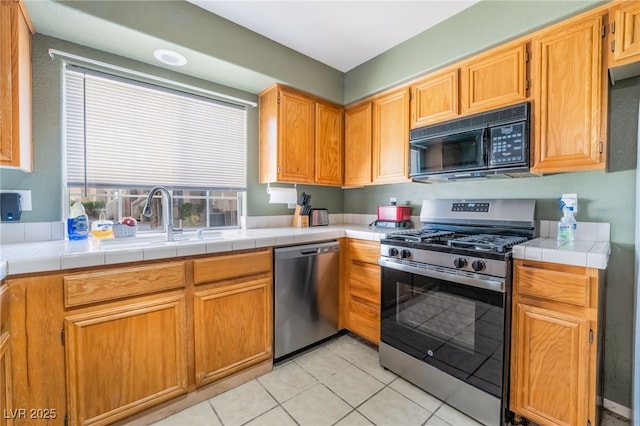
(487, 242)
(418, 236)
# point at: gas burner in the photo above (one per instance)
(487, 242)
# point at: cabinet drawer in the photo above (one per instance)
(231, 266)
(364, 251)
(102, 286)
(364, 321)
(567, 286)
(364, 283)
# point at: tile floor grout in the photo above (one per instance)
(354, 408)
(280, 397)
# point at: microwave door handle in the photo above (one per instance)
(485, 145)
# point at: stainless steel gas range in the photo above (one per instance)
(446, 301)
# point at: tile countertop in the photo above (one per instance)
(29, 257)
(591, 247)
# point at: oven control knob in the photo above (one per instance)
(460, 262)
(393, 252)
(405, 254)
(478, 265)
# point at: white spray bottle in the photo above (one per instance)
(567, 225)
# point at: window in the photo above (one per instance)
(124, 137)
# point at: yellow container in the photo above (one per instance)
(102, 228)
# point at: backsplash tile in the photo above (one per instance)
(11, 233)
(22, 232)
(585, 231)
(37, 232)
(57, 231)
(284, 221)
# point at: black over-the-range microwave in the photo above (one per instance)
(490, 144)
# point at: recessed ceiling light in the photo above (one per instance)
(170, 57)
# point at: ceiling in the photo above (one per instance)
(341, 34)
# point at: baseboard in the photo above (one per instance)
(618, 409)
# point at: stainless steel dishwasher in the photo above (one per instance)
(306, 295)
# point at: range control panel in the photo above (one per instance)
(470, 207)
(508, 144)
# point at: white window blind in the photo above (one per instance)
(122, 134)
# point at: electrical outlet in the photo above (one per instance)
(25, 198)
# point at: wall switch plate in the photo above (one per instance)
(25, 198)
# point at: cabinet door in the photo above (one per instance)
(364, 300)
(364, 321)
(329, 144)
(15, 87)
(626, 41)
(6, 390)
(362, 284)
(233, 327)
(391, 137)
(550, 366)
(123, 359)
(358, 145)
(295, 137)
(435, 98)
(494, 79)
(568, 111)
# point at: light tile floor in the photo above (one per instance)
(338, 383)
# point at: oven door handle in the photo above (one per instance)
(453, 276)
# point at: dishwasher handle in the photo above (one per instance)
(311, 251)
(297, 251)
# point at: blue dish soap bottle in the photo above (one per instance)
(78, 222)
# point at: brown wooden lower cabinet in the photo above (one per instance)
(362, 294)
(6, 390)
(233, 327)
(556, 340)
(125, 358)
(99, 345)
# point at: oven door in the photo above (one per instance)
(448, 321)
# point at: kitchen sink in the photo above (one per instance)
(160, 240)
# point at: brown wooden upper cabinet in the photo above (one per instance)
(358, 144)
(624, 46)
(435, 98)
(570, 108)
(490, 80)
(15, 86)
(391, 137)
(377, 139)
(301, 138)
(494, 79)
(329, 134)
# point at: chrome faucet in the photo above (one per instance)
(146, 211)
